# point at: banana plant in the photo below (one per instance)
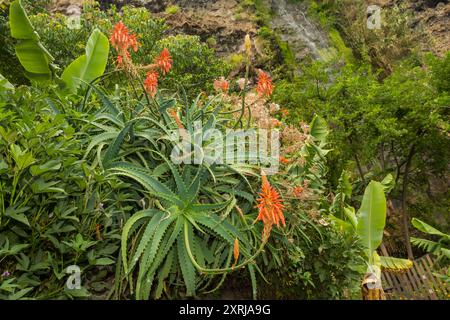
(38, 61)
(368, 223)
(440, 248)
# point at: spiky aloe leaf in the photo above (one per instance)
(222, 228)
(210, 207)
(126, 230)
(150, 253)
(107, 104)
(146, 238)
(164, 273)
(110, 117)
(99, 139)
(151, 184)
(251, 270)
(114, 148)
(194, 187)
(187, 268)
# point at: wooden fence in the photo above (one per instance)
(417, 283)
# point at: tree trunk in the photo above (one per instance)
(358, 164)
(383, 164)
(404, 205)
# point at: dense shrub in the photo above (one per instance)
(55, 210)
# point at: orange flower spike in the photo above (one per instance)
(264, 86)
(164, 61)
(122, 40)
(151, 83)
(221, 85)
(270, 205)
(276, 122)
(283, 160)
(236, 250)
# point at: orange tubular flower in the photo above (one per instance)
(283, 160)
(164, 61)
(284, 112)
(276, 122)
(122, 40)
(151, 83)
(221, 85)
(264, 86)
(270, 206)
(236, 249)
(298, 191)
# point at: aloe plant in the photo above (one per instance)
(193, 214)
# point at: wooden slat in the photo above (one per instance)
(425, 278)
(436, 282)
(415, 286)
(386, 277)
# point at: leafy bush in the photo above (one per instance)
(54, 210)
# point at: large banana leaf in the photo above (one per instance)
(388, 183)
(319, 129)
(90, 65)
(426, 228)
(31, 53)
(372, 218)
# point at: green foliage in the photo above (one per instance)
(68, 44)
(11, 65)
(55, 211)
(172, 9)
(5, 85)
(195, 66)
(374, 124)
(311, 259)
(37, 61)
(323, 265)
(440, 248)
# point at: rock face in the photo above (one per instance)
(304, 36)
(434, 16)
(214, 20)
(225, 23)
